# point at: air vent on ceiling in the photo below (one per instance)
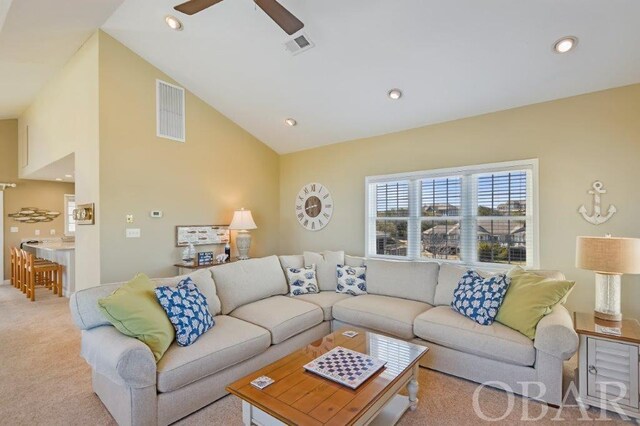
(298, 45)
(170, 114)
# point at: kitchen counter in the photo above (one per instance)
(52, 246)
(60, 252)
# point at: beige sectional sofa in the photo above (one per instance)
(258, 323)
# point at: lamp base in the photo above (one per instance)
(608, 297)
(243, 243)
(607, 317)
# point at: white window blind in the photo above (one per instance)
(483, 214)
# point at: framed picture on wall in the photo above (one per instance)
(201, 235)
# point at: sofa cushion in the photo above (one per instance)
(230, 342)
(448, 278)
(445, 327)
(480, 298)
(408, 280)
(282, 316)
(187, 310)
(203, 279)
(302, 280)
(325, 300)
(291, 261)
(326, 264)
(247, 281)
(383, 313)
(352, 280)
(134, 310)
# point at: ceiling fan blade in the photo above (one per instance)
(195, 6)
(289, 23)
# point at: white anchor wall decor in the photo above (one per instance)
(596, 218)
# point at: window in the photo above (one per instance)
(474, 215)
(69, 221)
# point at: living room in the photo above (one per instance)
(412, 142)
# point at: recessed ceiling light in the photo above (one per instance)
(58, 179)
(290, 122)
(395, 94)
(173, 22)
(68, 176)
(565, 44)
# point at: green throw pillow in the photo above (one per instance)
(529, 298)
(134, 310)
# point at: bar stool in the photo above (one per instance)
(38, 272)
(14, 268)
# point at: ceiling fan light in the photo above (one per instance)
(173, 22)
(565, 44)
(290, 122)
(394, 94)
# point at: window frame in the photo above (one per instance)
(68, 213)
(467, 216)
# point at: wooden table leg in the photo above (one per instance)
(412, 388)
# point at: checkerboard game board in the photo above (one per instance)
(347, 367)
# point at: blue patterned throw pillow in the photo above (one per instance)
(187, 310)
(302, 280)
(352, 280)
(479, 298)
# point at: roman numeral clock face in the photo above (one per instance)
(314, 206)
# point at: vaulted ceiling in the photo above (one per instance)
(452, 59)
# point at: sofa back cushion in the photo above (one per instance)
(203, 279)
(450, 275)
(353, 260)
(291, 261)
(247, 281)
(448, 279)
(407, 280)
(326, 267)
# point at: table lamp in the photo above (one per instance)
(609, 257)
(242, 222)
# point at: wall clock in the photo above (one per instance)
(314, 206)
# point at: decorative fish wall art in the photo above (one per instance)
(34, 215)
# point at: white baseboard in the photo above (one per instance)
(6, 282)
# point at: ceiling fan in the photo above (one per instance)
(285, 19)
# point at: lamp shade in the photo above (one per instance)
(608, 255)
(242, 220)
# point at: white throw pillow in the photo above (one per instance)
(302, 280)
(352, 280)
(326, 264)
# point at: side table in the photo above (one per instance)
(608, 363)
(184, 269)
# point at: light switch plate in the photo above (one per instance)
(129, 218)
(52, 232)
(13, 229)
(133, 233)
(37, 232)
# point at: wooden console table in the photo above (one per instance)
(184, 269)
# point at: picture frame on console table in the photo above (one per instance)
(201, 235)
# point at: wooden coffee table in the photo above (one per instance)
(299, 397)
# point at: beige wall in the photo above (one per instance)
(220, 168)
(577, 140)
(63, 120)
(28, 193)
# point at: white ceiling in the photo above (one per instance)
(452, 59)
(38, 37)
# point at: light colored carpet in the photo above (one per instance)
(43, 380)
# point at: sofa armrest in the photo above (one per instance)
(555, 334)
(123, 359)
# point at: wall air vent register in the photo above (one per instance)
(170, 111)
